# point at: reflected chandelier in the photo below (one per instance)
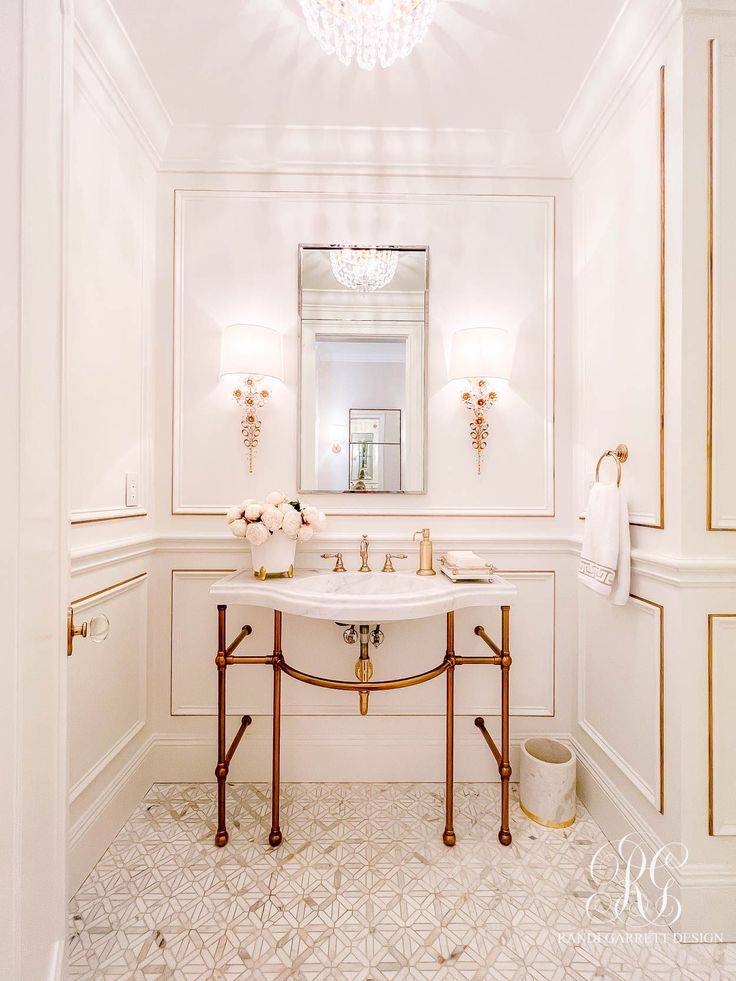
(369, 30)
(364, 270)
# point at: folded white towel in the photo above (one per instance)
(465, 560)
(605, 558)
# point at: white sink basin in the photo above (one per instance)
(361, 597)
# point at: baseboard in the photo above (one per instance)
(707, 892)
(342, 759)
(92, 833)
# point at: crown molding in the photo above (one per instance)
(364, 150)
(103, 46)
(639, 29)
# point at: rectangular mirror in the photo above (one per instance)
(363, 369)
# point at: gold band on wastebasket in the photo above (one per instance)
(547, 824)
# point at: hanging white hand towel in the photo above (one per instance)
(605, 559)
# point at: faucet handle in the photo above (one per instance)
(388, 565)
(339, 567)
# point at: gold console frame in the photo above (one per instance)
(226, 657)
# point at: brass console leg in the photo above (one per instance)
(275, 836)
(448, 835)
(504, 768)
(222, 764)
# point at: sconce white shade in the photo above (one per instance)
(480, 352)
(249, 349)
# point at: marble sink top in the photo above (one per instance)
(360, 597)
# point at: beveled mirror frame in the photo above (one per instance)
(425, 369)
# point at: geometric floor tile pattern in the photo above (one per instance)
(362, 888)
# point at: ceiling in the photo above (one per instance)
(511, 65)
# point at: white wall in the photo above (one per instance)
(648, 673)
(499, 250)
(110, 268)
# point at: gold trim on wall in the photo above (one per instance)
(710, 205)
(108, 589)
(660, 607)
(711, 775)
(550, 280)
(656, 800)
(107, 517)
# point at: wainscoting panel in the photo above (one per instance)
(620, 687)
(108, 313)
(722, 288)
(619, 274)
(318, 648)
(107, 681)
(721, 702)
(486, 252)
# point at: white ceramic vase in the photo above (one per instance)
(275, 557)
(547, 782)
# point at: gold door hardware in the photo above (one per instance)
(388, 565)
(97, 629)
(338, 567)
(500, 657)
(620, 455)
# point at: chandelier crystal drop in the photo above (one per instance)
(364, 270)
(371, 31)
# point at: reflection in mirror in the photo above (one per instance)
(363, 370)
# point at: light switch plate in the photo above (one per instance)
(131, 490)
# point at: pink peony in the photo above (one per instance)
(256, 533)
(238, 527)
(292, 523)
(305, 533)
(272, 518)
(234, 514)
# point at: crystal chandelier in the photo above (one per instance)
(364, 270)
(369, 30)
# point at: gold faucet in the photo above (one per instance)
(364, 567)
(339, 567)
(388, 565)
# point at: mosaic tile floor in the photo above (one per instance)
(361, 888)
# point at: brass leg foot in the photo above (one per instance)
(275, 838)
(449, 838)
(504, 836)
(221, 838)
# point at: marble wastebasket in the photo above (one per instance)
(547, 782)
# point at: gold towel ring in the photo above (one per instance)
(620, 455)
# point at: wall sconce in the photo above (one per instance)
(480, 355)
(338, 435)
(251, 352)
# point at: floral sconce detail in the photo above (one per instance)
(251, 352)
(478, 398)
(480, 355)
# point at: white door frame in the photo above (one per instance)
(34, 36)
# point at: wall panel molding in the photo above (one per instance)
(721, 700)
(619, 688)
(608, 241)
(188, 502)
(92, 667)
(84, 329)
(721, 344)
